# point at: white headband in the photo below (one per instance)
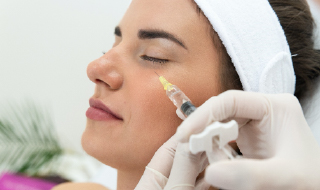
(251, 32)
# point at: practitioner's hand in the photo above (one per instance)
(279, 149)
(174, 167)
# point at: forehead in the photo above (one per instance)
(165, 8)
(177, 16)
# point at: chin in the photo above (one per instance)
(118, 156)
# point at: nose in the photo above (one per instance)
(106, 70)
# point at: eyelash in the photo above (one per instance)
(154, 60)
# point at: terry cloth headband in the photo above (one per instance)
(251, 32)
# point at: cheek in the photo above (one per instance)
(155, 112)
(153, 106)
(199, 96)
(202, 82)
(153, 121)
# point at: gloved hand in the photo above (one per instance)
(279, 149)
(174, 167)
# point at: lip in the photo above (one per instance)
(100, 112)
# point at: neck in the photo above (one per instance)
(128, 180)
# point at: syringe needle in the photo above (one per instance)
(157, 74)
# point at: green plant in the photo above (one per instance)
(28, 140)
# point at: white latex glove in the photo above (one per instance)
(174, 167)
(180, 114)
(279, 149)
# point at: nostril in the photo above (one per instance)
(98, 81)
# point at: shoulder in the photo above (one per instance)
(79, 186)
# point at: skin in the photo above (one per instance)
(79, 186)
(128, 85)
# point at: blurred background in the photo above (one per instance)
(45, 47)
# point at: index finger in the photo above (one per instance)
(228, 105)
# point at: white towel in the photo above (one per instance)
(251, 32)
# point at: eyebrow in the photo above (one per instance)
(152, 34)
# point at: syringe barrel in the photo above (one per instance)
(179, 99)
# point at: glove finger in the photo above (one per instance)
(202, 185)
(157, 172)
(228, 105)
(151, 179)
(163, 158)
(249, 174)
(186, 167)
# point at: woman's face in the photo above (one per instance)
(165, 36)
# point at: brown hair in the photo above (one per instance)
(298, 24)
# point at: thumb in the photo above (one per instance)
(249, 174)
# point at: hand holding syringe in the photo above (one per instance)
(214, 139)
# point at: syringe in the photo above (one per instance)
(182, 102)
(179, 99)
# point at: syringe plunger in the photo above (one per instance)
(180, 100)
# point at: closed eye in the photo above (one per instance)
(154, 60)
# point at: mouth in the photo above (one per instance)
(100, 112)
